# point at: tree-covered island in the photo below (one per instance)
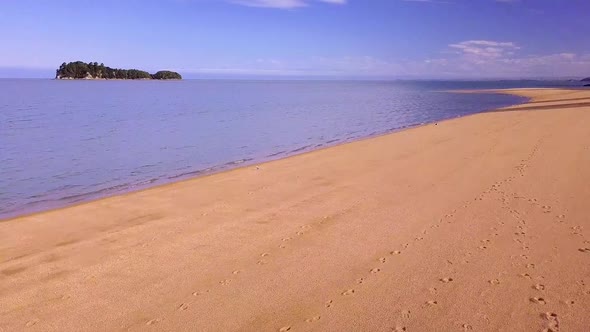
(93, 70)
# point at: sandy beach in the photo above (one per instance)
(474, 224)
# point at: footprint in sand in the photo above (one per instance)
(395, 252)
(553, 322)
(360, 280)
(446, 280)
(569, 302)
(236, 272)
(538, 300)
(261, 262)
(406, 313)
(530, 266)
(494, 281)
(348, 292)
(153, 321)
(399, 329)
(382, 259)
(467, 327)
(539, 287)
(431, 303)
(328, 303)
(585, 250)
(264, 254)
(183, 307)
(225, 282)
(482, 247)
(285, 329)
(375, 270)
(313, 319)
(525, 275)
(32, 322)
(200, 293)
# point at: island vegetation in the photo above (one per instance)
(94, 70)
(587, 79)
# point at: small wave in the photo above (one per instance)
(276, 154)
(95, 193)
(237, 162)
(187, 174)
(301, 148)
(333, 141)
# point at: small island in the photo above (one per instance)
(94, 71)
(587, 79)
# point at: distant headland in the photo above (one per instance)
(94, 71)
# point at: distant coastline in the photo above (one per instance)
(79, 70)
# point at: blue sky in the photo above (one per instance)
(292, 38)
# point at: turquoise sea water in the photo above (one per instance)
(63, 142)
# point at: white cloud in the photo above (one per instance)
(484, 48)
(282, 4)
(468, 59)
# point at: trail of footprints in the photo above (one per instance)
(520, 233)
(263, 259)
(553, 323)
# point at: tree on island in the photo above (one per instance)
(92, 70)
(166, 75)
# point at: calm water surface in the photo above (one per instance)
(63, 142)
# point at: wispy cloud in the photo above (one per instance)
(485, 48)
(282, 4)
(466, 59)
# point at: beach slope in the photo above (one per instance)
(478, 223)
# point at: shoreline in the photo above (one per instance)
(449, 226)
(226, 167)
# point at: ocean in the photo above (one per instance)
(64, 142)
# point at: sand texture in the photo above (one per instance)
(475, 224)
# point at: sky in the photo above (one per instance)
(301, 38)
